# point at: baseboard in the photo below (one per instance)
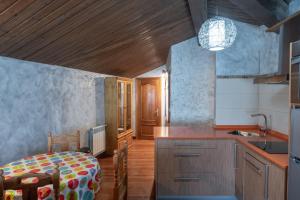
(197, 198)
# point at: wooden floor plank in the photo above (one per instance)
(140, 173)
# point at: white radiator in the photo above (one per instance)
(97, 140)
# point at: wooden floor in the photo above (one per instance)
(140, 172)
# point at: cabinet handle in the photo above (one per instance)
(187, 179)
(266, 182)
(235, 156)
(187, 155)
(199, 146)
(256, 169)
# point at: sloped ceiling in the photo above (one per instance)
(118, 37)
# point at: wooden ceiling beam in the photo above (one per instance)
(198, 9)
(256, 10)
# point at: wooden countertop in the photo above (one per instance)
(206, 132)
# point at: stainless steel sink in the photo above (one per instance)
(244, 133)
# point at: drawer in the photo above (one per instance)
(163, 143)
(163, 161)
(187, 160)
(194, 144)
(194, 160)
(188, 184)
(257, 165)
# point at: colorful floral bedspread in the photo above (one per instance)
(80, 175)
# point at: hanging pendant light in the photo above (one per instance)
(217, 33)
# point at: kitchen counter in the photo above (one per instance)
(206, 132)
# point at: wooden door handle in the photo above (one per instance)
(156, 112)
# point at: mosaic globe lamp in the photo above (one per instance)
(217, 33)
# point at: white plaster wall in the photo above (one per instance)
(236, 100)
(192, 82)
(153, 73)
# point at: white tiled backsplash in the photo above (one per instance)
(237, 99)
(274, 102)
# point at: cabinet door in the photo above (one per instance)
(255, 179)
(277, 183)
(239, 170)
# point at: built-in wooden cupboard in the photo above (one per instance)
(194, 168)
(191, 169)
(261, 179)
(118, 112)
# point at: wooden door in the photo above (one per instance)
(148, 106)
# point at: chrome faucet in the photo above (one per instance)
(265, 129)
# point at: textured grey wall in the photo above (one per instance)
(37, 98)
(192, 81)
(254, 52)
(294, 6)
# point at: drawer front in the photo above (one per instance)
(199, 167)
(163, 143)
(188, 184)
(193, 160)
(163, 161)
(194, 144)
(257, 165)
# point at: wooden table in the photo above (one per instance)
(80, 174)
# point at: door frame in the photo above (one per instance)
(138, 85)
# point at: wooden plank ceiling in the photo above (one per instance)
(117, 37)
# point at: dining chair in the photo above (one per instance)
(64, 142)
(29, 184)
(121, 173)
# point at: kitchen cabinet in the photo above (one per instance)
(197, 168)
(239, 170)
(262, 179)
(118, 110)
(277, 183)
(194, 168)
(255, 179)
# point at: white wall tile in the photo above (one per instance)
(236, 116)
(236, 86)
(237, 99)
(274, 102)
